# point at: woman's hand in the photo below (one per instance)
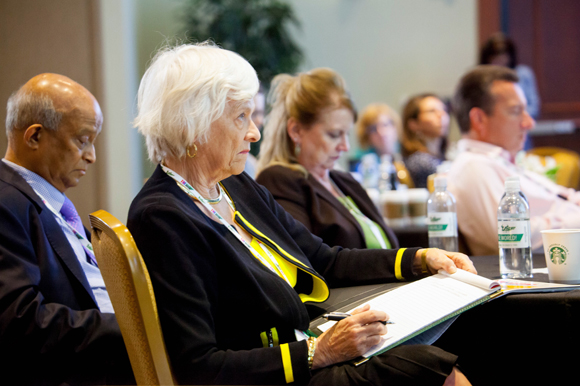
(350, 337)
(437, 259)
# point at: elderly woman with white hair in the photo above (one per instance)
(230, 268)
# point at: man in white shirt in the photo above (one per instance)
(491, 112)
(56, 319)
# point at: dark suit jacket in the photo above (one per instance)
(51, 330)
(314, 206)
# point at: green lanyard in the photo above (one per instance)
(273, 264)
(366, 223)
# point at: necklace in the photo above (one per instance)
(215, 201)
(212, 201)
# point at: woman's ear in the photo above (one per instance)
(294, 129)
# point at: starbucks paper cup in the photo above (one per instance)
(562, 252)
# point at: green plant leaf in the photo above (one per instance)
(255, 29)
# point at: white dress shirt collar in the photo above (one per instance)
(486, 148)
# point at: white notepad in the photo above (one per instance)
(421, 305)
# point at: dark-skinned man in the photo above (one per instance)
(57, 324)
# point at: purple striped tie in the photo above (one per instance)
(72, 217)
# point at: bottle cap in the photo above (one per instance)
(512, 184)
(386, 158)
(443, 167)
(440, 182)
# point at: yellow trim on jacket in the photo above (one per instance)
(398, 261)
(270, 338)
(288, 263)
(287, 363)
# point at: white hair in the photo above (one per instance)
(184, 90)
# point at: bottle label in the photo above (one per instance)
(442, 224)
(514, 234)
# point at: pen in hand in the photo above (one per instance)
(336, 316)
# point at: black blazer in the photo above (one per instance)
(216, 300)
(51, 330)
(314, 206)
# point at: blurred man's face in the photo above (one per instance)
(508, 124)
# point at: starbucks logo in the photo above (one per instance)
(558, 254)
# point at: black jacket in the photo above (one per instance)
(216, 301)
(314, 206)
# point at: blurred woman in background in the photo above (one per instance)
(377, 129)
(424, 141)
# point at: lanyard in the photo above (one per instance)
(84, 242)
(273, 265)
(356, 211)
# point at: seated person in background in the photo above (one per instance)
(500, 50)
(424, 140)
(56, 320)
(377, 129)
(218, 246)
(492, 116)
(306, 133)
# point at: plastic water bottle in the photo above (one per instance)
(514, 233)
(369, 170)
(442, 217)
(388, 179)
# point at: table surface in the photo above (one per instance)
(342, 299)
(537, 327)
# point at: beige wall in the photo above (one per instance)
(122, 144)
(388, 50)
(157, 22)
(59, 36)
(93, 43)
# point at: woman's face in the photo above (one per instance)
(226, 151)
(433, 119)
(383, 135)
(323, 142)
(500, 60)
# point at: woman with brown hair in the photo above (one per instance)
(424, 142)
